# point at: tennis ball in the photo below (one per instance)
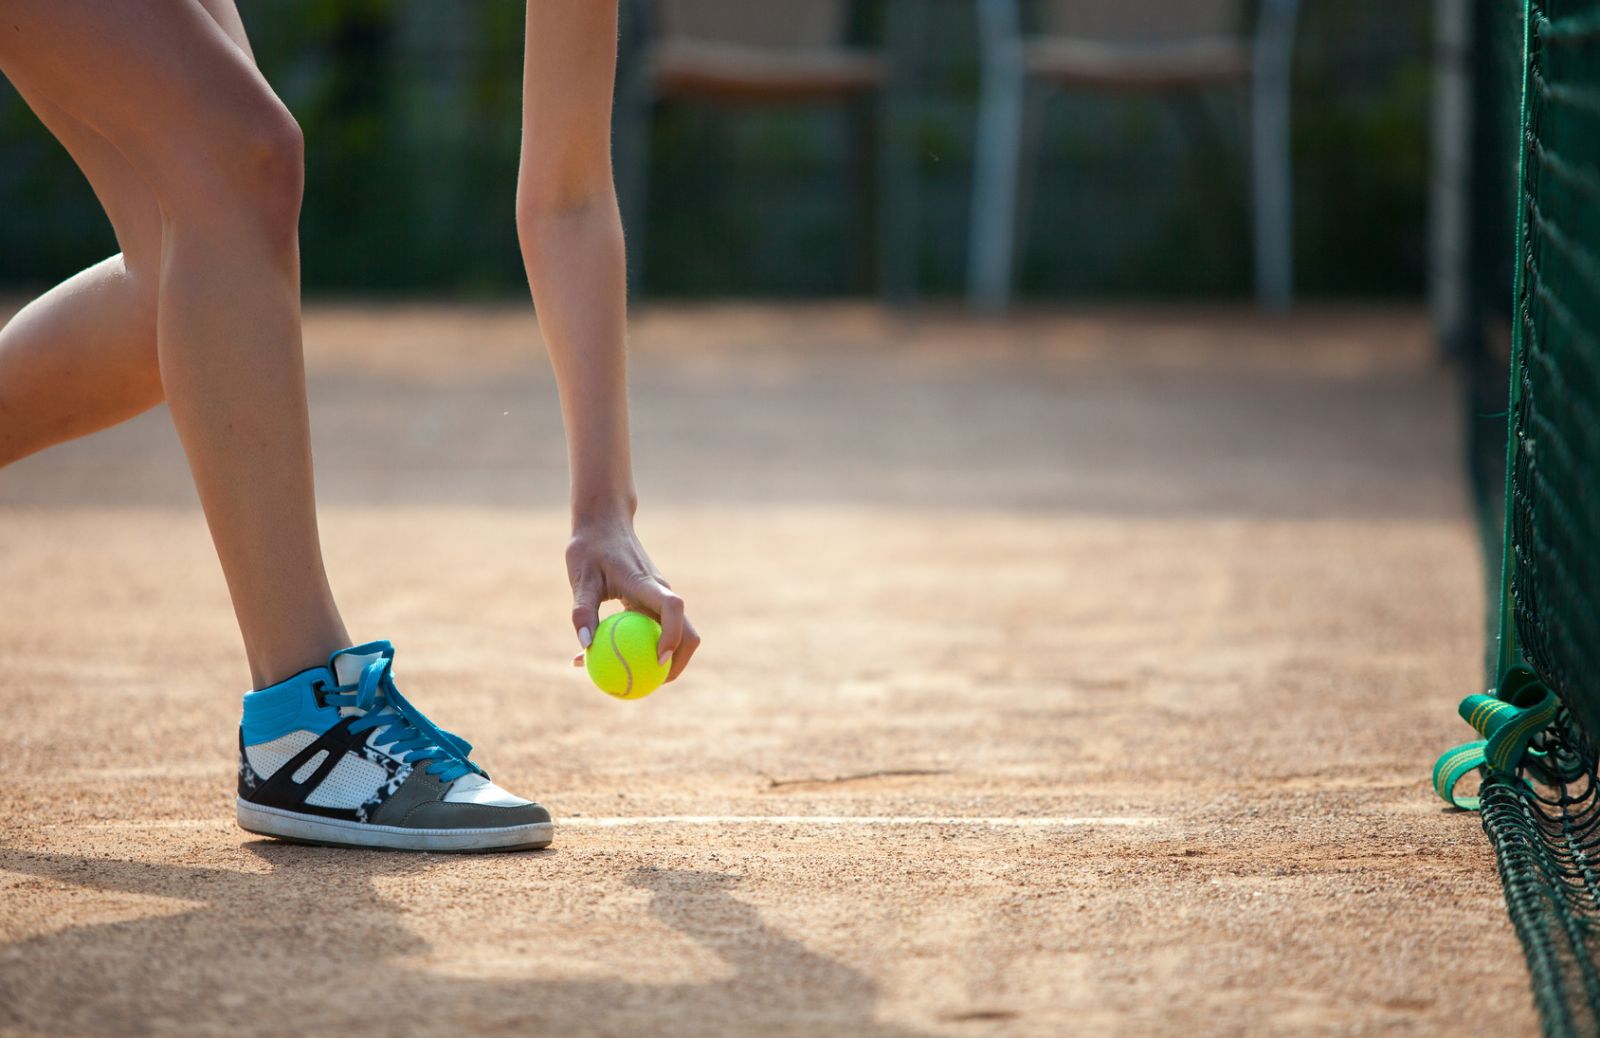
(622, 658)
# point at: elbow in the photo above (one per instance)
(531, 211)
(541, 200)
(558, 187)
(553, 225)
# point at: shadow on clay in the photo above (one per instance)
(310, 946)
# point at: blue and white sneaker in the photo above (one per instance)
(336, 755)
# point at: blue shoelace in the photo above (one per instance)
(409, 730)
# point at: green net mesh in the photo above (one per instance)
(1545, 830)
(1544, 824)
(1554, 513)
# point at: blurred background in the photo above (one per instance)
(1187, 537)
(412, 106)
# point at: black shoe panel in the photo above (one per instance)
(282, 791)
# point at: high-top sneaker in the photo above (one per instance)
(336, 755)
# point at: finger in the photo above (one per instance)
(577, 661)
(586, 591)
(686, 647)
(667, 606)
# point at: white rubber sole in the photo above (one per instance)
(335, 832)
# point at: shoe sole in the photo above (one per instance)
(335, 832)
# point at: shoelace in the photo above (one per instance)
(409, 730)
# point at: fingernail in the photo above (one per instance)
(584, 637)
(664, 657)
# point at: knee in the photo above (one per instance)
(255, 173)
(276, 167)
(267, 170)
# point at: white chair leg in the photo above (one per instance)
(996, 157)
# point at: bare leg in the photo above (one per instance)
(82, 357)
(181, 102)
(107, 374)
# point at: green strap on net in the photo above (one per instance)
(1508, 720)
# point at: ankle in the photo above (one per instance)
(273, 663)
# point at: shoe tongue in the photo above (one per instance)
(348, 665)
(347, 668)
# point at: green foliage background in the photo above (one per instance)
(410, 109)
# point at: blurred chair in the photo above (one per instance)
(742, 52)
(1152, 47)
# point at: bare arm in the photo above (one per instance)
(571, 234)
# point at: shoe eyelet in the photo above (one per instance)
(319, 691)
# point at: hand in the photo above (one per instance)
(604, 561)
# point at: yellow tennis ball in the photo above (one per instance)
(622, 658)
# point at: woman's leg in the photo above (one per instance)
(185, 107)
(82, 357)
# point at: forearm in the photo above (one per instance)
(574, 258)
(571, 238)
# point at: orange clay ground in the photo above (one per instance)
(1173, 606)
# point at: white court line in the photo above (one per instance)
(583, 822)
(1019, 822)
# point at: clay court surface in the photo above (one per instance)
(1075, 675)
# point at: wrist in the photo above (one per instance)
(604, 508)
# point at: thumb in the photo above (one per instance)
(586, 607)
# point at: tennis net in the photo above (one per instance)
(1536, 232)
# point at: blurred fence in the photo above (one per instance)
(411, 113)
